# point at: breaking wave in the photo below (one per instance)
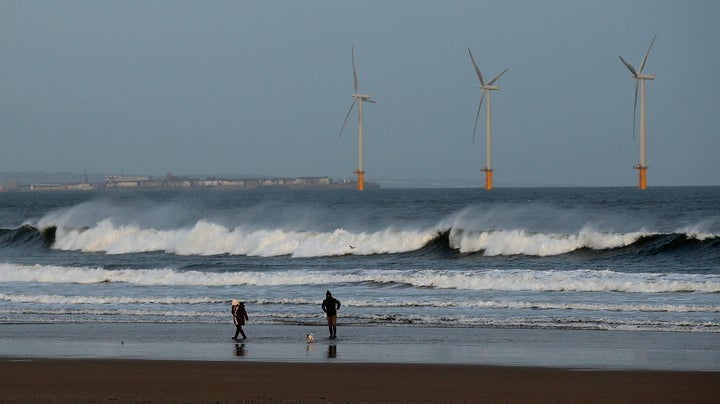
(496, 280)
(205, 238)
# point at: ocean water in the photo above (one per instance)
(533, 258)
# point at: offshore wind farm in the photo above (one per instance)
(640, 78)
(358, 99)
(206, 99)
(486, 89)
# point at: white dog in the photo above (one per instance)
(310, 337)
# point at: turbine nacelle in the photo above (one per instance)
(489, 87)
(362, 97)
(643, 77)
(638, 74)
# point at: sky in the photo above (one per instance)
(237, 87)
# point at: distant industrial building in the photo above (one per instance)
(172, 182)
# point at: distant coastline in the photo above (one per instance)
(169, 181)
(21, 181)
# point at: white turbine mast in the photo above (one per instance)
(640, 78)
(359, 98)
(486, 88)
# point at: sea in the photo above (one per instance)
(465, 258)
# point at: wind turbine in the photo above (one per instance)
(640, 78)
(486, 88)
(359, 99)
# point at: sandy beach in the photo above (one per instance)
(120, 381)
(117, 363)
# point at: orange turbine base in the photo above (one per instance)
(642, 179)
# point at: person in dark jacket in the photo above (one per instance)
(239, 317)
(331, 306)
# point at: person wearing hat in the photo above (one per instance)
(330, 306)
(239, 317)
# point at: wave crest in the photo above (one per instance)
(498, 280)
(206, 238)
(521, 242)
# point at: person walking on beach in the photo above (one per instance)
(239, 317)
(330, 306)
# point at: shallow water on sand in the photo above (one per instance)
(382, 344)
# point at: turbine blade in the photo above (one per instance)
(635, 106)
(354, 74)
(346, 118)
(497, 77)
(477, 70)
(629, 66)
(642, 65)
(477, 115)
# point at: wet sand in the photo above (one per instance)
(119, 363)
(567, 349)
(121, 381)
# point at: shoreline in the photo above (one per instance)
(157, 363)
(123, 380)
(563, 349)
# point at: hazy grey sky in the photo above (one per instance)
(209, 87)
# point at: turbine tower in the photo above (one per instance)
(640, 78)
(486, 88)
(359, 98)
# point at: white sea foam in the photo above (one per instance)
(550, 322)
(521, 242)
(576, 280)
(79, 300)
(135, 314)
(84, 228)
(496, 304)
(104, 300)
(206, 238)
(500, 280)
